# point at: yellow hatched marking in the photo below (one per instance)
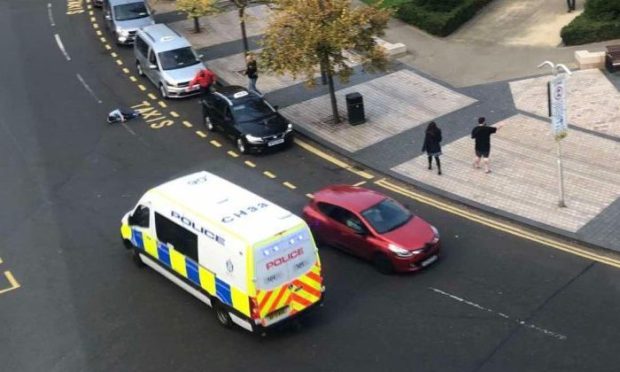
(119, 62)
(306, 295)
(269, 174)
(125, 70)
(272, 299)
(114, 55)
(14, 284)
(310, 283)
(215, 143)
(142, 87)
(201, 134)
(331, 159)
(232, 153)
(174, 114)
(249, 164)
(187, 124)
(289, 185)
(162, 104)
(133, 78)
(107, 46)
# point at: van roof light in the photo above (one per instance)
(166, 38)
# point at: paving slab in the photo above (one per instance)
(592, 100)
(393, 103)
(523, 181)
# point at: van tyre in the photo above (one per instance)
(139, 69)
(382, 264)
(221, 315)
(127, 244)
(241, 146)
(162, 91)
(137, 260)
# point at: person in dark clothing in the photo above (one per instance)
(252, 72)
(482, 134)
(571, 5)
(432, 140)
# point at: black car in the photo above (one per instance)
(246, 118)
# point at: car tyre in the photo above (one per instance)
(209, 124)
(162, 91)
(382, 264)
(221, 315)
(137, 260)
(241, 146)
(139, 69)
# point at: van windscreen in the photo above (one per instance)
(126, 12)
(284, 259)
(177, 58)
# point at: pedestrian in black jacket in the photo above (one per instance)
(432, 139)
(252, 72)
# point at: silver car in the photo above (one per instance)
(123, 18)
(167, 59)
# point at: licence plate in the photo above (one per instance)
(429, 261)
(275, 142)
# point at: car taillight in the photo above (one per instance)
(254, 309)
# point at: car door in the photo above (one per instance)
(107, 15)
(350, 233)
(152, 73)
(140, 223)
(228, 124)
(215, 108)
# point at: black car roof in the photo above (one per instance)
(229, 91)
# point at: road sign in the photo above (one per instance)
(557, 103)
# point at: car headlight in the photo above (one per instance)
(289, 128)
(252, 139)
(435, 235)
(123, 33)
(400, 252)
(170, 84)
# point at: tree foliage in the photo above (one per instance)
(305, 37)
(197, 8)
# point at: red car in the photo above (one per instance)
(372, 226)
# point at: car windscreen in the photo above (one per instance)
(283, 259)
(386, 215)
(251, 109)
(177, 58)
(130, 11)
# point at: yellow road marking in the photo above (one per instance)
(142, 87)
(107, 46)
(95, 26)
(1, 260)
(289, 185)
(162, 104)
(90, 12)
(152, 96)
(92, 19)
(174, 114)
(103, 40)
(12, 281)
(250, 164)
(331, 159)
(310, 196)
(119, 62)
(215, 143)
(114, 55)
(498, 225)
(89, 6)
(98, 32)
(125, 70)
(201, 134)
(269, 174)
(233, 154)
(187, 124)
(359, 183)
(133, 78)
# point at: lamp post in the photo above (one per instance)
(556, 91)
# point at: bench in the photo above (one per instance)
(587, 60)
(612, 58)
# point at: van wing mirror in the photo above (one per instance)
(153, 66)
(131, 220)
(108, 17)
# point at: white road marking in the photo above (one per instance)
(88, 88)
(50, 15)
(61, 47)
(547, 332)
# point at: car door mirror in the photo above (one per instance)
(131, 220)
(153, 66)
(201, 57)
(276, 107)
(108, 17)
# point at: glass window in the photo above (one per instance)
(142, 47)
(130, 11)
(141, 217)
(181, 239)
(177, 58)
(251, 109)
(386, 216)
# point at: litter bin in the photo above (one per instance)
(355, 108)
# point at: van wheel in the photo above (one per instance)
(221, 315)
(209, 124)
(137, 260)
(127, 244)
(162, 91)
(382, 264)
(139, 69)
(241, 146)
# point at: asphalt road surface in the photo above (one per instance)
(494, 302)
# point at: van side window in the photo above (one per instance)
(180, 238)
(142, 47)
(140, 216)
(152, 59)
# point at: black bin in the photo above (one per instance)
(355, 108)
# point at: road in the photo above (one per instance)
(71, 298)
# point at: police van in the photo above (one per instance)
(255, 263)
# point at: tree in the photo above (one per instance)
(241, 5)
(305, 37)
(196, 9)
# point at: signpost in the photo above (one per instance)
(556, 90)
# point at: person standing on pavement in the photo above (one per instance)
(432, 139)
(252, 72)
(205, 78)
(571, 5)
(482, 134)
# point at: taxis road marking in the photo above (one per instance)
(185, 122)
(269, 174)
(331, 159)
(289, 185)
(201, 134)
(498, 225)
(12, 281)
(250, 164)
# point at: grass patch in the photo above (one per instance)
(600, 21)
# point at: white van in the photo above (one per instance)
(254, 262)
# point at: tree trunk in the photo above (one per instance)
(244, 36)
(332, 96)
(196, 25)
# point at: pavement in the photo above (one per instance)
(488, 68)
